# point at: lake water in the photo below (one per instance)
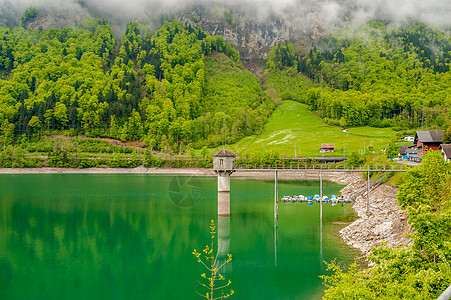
(132, 237)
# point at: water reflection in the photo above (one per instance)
(224, 242)
(276, 236)
(120, 237)
(321, 260)
(72, 242)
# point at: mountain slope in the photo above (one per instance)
(375, 75)
(150, 87)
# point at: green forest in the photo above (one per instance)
(374, 75)
(175, 88)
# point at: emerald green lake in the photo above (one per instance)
(132, 237)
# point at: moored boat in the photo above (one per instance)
(326, 200)
(316, 198)
(334, 199)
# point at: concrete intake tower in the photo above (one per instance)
(224, 165)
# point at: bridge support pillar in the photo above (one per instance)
(276, 195)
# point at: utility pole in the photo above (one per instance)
(321, 194)
(321, 214)
(276, 195)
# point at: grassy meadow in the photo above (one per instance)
(292, 127)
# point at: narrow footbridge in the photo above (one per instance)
(321, 168)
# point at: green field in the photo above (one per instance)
(293, 127)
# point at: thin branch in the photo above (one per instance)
(208, 268)
(202, 284)
(223, 264)
(221, 287)
(201, 295)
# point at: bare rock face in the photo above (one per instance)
(56, 19)
(385, 221)
(252, 39)
(250, 32)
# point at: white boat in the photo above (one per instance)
(334, 200)
(316, 198)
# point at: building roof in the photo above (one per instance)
(446, 148)
(433, 136)
(224, 153)
(411, 150)
(327, 146)
(403, 150)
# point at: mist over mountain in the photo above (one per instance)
(253, 26)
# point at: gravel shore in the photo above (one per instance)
(384, 222)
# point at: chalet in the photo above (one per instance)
(427, 140)
(408, 152)
(327, 148)
(446, 151)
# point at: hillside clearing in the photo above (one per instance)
(292, 127)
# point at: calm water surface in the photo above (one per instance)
(131, 237)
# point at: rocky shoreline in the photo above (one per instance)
(385, 221)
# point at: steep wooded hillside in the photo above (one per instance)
(373, 75)
(150, 87)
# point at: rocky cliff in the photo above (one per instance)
(252, 38)
(252, 35)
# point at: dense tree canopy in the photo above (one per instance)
(148, 87)
(376, 76)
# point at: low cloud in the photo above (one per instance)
(329, 13)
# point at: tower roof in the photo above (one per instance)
(224, 153)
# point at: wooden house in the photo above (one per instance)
(446, 151)
(408, 152)
(427, 140)
(327, 148)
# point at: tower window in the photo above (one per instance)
(221, 162)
